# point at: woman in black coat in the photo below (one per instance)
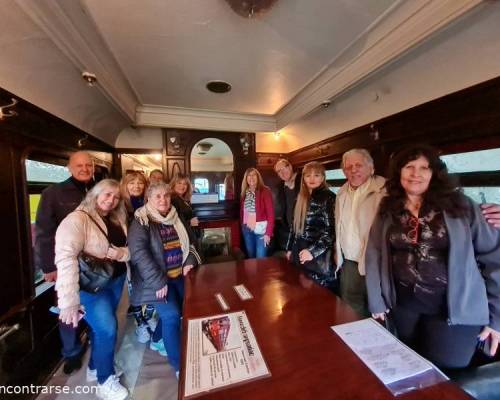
(161, 254)
(311, 240)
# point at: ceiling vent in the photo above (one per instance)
(218, 86)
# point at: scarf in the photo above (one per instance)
(148, 213)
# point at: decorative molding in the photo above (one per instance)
(80, 41)
(405, 25)
(174, 117)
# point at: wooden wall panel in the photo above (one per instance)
(463, 121)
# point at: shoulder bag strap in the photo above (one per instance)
(95, 222)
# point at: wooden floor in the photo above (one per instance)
(147, 375)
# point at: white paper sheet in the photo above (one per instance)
(243, 292)
(388, 358)
(221, 351)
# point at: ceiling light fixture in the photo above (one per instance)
(218, 86)
(251, 8)
(90, 78)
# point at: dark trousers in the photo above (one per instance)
(70, 339)
(353, 288)
(447, 346)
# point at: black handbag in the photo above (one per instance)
(95, 273)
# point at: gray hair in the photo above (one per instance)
(157, 186)
(89, 203)
(363, 152)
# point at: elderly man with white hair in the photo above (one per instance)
(355, 209)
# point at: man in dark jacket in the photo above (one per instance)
(56, 202)
(288, 191)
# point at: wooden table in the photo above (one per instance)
(291, 318)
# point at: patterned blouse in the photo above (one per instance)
(419, 248)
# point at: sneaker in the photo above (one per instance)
(142, 332)
(72, 364)
(159, 347)
(152, 323)
(111, 389)
(92, 373)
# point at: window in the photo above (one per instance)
(221, 189)
(40, 175)
(201, 185)
(335, 179)
(479, 173)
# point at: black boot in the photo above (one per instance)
(72, 364)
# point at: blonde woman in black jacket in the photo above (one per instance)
(311, 240)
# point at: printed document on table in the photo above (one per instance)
(388, 358)
(221, 350)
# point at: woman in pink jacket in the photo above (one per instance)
(256, 214)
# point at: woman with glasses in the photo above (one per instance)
(433, 263)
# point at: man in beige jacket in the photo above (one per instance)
(355, 209)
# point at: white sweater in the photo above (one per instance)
(77, 233)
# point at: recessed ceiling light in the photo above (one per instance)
(218, 86)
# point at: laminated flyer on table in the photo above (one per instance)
(221, 350)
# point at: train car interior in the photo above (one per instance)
(210, 88)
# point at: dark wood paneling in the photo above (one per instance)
(463, 121)
(34, 349)
(267, 160)
(188, 138)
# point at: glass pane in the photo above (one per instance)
(34, 201)
(335, 174)
(334, 189)
(483, 194)
(483, 160)
(201, 185)
(37, 171)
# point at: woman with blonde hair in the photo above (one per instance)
(98, 227)
(133, 187)
(256, 214)
(311, 240)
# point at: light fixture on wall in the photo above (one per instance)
(175, 141)
(5, 111)
(82, 141)
(245, 143)
(204, 148)
(277, 135)
(374, 133)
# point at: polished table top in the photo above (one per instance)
(291, 318)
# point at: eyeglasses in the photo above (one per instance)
(413, 232)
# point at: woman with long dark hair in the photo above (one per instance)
(433, 263)
(311, 240)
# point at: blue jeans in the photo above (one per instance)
(254, 243)
(169, 325)
(100, 314)
(70, 339)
